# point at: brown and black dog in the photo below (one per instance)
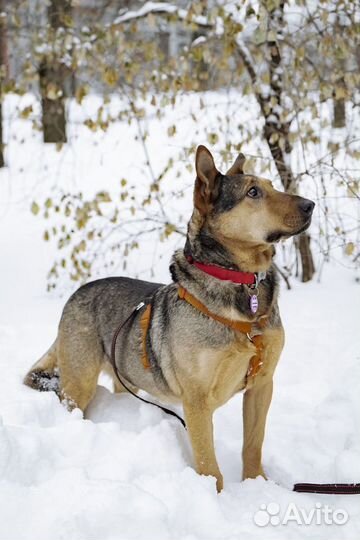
(205, 329)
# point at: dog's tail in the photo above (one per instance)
(44, 375)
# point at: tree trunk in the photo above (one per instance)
(3, 75)
(276, 131)
(52, 75)
(339, 102)
(307, 263)
(339, 118)
(52, 103)
(2, 160)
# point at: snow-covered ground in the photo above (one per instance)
(126, 471)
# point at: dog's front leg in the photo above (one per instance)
(255, 407)
(198, 417)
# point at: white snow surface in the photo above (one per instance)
(126, 470)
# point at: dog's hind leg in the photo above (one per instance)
(80, 360)
(43, 375)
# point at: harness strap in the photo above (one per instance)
(114, 366)
(256, 362)
(240, 326)
(145, 324)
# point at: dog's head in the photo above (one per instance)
(239, 211)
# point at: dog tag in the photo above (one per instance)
(254, 304)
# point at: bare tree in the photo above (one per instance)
(52, 74)
(339, 116)
(276, 128)
(3, 72)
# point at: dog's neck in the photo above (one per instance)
(223, 297)
(250, 257)
(235, 256)
(208, 251)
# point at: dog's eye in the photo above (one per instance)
(254, 192)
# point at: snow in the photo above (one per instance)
(198, 41)
(159, 7)
(126, 470)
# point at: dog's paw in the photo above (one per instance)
(254, 473)
(219, 483)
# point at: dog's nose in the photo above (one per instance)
(306, 206)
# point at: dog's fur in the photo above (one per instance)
(194, 360)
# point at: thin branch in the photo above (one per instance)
(284, 276)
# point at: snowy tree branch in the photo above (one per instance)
(163, 8)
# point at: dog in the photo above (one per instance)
(205, 329)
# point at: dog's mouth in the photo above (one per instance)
(303, 228)
(276, 236)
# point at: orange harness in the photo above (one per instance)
(240, 326)
(144, 324)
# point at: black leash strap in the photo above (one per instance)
(113, 363)
(328, 489)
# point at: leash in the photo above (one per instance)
(328, 489)
(113, 363)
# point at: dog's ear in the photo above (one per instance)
(238, 166)
(207, 180)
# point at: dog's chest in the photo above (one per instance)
(222, 372)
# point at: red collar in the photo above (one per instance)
(244, 278)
